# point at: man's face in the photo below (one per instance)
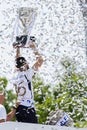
(24, 67)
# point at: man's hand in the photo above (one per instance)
(17, 103)
(32, 45)
(15, 45)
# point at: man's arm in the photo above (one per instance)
(38, 57)
(11, 115)
(18, 52)
(2, 120)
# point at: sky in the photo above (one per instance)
(59, 32)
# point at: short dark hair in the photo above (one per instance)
(20, 61)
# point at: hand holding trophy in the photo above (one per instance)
(22, 40)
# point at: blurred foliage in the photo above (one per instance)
(70, 94)
(44, 102)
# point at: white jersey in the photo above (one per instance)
(2, 112)
(23, 86)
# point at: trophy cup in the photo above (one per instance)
(25, 21)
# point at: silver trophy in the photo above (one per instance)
(24, 24)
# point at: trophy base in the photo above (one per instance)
(21, 41)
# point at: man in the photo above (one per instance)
(23, 85)
(3, 115)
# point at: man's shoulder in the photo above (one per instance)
(29, 70)
(1, 106)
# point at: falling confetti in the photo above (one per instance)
(59, 32)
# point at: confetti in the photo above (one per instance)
(59, 31)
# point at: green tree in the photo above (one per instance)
(43, 99)
(71, 93)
